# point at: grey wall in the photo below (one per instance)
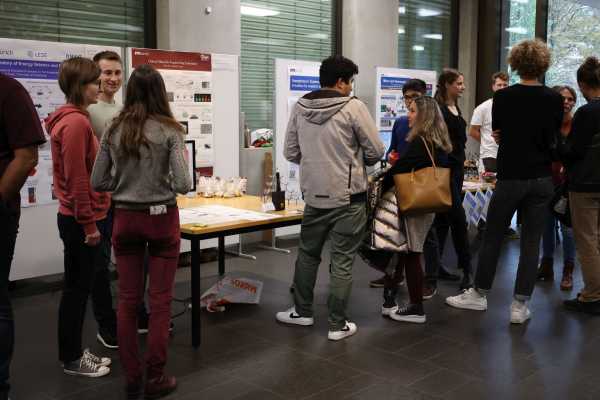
(467, 63)
(370, 39)
(185, 25)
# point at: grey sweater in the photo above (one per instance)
(154, 179)
(333, 138)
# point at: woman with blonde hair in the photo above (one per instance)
(527, 118)
(428, 134)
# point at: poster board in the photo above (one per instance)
(293, 79)
(389, 100)
(189, 84)
(35, 65)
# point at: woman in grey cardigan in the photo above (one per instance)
(141, 160)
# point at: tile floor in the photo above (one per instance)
(245, 354)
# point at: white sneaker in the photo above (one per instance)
(102, 361)
(387, 311)
(290, 316)
(469, 299)
(519, 313)
(347, 331)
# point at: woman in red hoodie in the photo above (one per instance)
(82, 212)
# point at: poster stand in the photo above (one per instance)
(293, 79)
(389, 100)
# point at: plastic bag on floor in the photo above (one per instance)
(230, 290)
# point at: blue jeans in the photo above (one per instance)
(9, 225)
(549, 240)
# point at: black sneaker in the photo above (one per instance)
(575, 304)
(411, 313)
(108, 339)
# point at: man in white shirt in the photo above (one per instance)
(481, 127)
(111, 80)
(101, 116)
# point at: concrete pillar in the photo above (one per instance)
(212, 26)
(370, 39)
(467, 63)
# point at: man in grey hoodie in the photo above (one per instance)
(333, 138)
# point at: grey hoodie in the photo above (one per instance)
(333, 138)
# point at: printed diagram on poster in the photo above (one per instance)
(390, 100)
(188, 81)
(35, 65)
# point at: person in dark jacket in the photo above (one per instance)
(546, 268)
(427, 129)
(449, 89)
(581, 156)
(412, 89)
(528, 116)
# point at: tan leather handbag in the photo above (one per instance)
(425, 190)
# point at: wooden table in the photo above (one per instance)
(288, 217)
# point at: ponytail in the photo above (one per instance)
(589, 72)
(448, 76)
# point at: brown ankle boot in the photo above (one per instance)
(566, 283)
(160, 387)
(546, 269)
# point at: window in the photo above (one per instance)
(518, 24)
(294, 29)
(424, 34)
(573, 36)
(100, 22)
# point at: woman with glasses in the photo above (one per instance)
(546, 268)
(81, 213)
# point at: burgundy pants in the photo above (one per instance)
(414, 276)
(132, 232)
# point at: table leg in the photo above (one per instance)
(221, 255)
(196, 328)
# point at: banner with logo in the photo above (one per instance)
(389, 98)
(35, 65)
(188, 80)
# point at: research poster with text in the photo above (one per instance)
(188, 81)
(35, 65)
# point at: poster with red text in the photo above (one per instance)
(188, 81)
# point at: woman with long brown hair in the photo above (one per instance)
(449, 89)
(144, 149)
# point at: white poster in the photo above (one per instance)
(301, 79)
(390, 100)
(35, 65)
(188, 81)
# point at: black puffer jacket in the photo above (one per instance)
(580, 152)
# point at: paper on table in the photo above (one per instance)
(215, 214)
